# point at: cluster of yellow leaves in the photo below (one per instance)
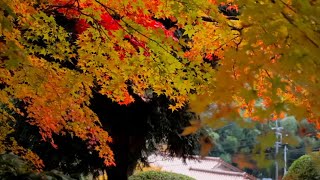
(272, 71)
(153, 67)
(285, 50)
(56, 98)
(208, 39)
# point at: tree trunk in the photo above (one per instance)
(127, 151)
(120, 149)
(127, 125)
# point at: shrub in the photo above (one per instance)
(304, 168)
(159, 175)
(12, 167)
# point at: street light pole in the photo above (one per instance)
(278, 144)
(285, 160)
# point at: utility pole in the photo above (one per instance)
(278, 144)
(285, 159)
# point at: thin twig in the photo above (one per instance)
(267, 73)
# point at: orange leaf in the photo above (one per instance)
(206, 145)
(190, 130)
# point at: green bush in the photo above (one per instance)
(12, 167)
(159, 175)
(304, 168)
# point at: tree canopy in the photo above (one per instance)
(57, 54)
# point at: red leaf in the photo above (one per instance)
(108, 22)
(81, 26)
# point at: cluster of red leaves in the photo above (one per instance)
(126, 98)
(108, 22)
(81, 26)
(148, 22)
(111, 24)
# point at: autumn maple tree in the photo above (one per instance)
(56, 54)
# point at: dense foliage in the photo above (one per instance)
(304, 168)
(13, 167)
(70, 68)
(159, 175)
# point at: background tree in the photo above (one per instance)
(241, 147)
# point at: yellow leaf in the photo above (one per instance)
(172, 107)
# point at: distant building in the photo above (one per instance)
(207, 168)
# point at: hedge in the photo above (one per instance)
(159, 175)
(304, 168)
